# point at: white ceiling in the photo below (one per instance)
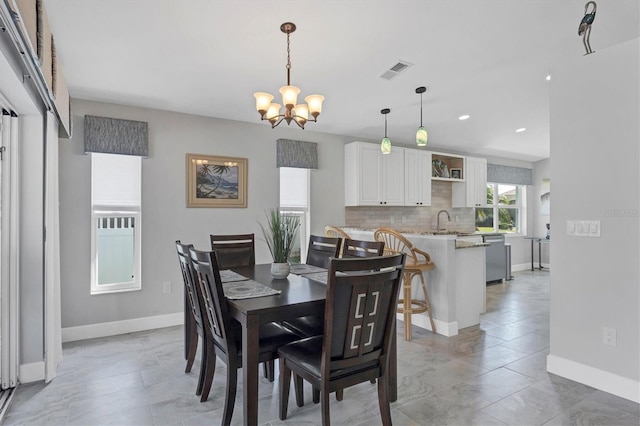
(486, 58)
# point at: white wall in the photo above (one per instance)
(595, 282)
(165, 217)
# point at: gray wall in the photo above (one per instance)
(595, 282)
(165, 217)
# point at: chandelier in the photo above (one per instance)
(292, 111)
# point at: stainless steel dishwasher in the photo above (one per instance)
(496, 259)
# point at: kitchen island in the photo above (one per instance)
(456, 286)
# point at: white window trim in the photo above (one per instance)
(99, 212)
(521, 206)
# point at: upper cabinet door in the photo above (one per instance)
(393, 177)
(417, 177)
(371, 178)
(473, 191)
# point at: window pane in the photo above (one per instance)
(507, 220)
(484, 219)
(115, 250)
(507, 194)
(490, 193)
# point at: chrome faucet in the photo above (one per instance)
(438, 219)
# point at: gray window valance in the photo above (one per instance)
(115, 136)
(508, 174)
(300, 154)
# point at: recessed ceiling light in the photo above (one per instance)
(549, 77)
(464, 117)
(521, 129)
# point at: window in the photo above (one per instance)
(116, 182)
(294, 199)
(504, 213)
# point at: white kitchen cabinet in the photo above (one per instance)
(417, 177)
(473, 191)
(372, 178)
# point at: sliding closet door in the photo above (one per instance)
(8, 250)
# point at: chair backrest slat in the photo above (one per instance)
(395, 242)
(234, 250)
(186, 268)
(321, 249)
(219, 320)
(362, 295)
(361, 248)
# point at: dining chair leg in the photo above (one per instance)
(285, 384)
(315, 395)
(324, 405)
(298, 387)
(203, 367)
(339, 394)
(383, 401)
(209, 371)
(230, 396)
(269, 370)
(192, 347)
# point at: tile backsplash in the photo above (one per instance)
(407, 218)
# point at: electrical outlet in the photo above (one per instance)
(609, 336)
(166, 287)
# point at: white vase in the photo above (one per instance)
(280, 270)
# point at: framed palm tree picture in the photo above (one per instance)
(214, 181)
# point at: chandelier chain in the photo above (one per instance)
(288, 61)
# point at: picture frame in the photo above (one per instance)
(216, 181)
(456, 173)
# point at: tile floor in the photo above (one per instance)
(492, 374)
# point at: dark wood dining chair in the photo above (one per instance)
(321, 249)
(234, 250)
(197, 329)
(360, 316)
(361, 248)
(225, 332)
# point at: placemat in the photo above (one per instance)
(303, 269)
(246, 290)
(318, 276)
(227, 276)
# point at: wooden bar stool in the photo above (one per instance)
(417, 263)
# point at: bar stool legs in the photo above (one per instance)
(408, 306)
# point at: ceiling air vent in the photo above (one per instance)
(395, 70)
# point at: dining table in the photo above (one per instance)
(299, 296)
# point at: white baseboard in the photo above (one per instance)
(91, 331)
(32, 372)
(527, 267)
(594, 377)
(447, 329)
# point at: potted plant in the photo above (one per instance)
(280, 233)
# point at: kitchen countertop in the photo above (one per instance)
(468, 244)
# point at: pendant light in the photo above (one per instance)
(421, 134)
(385, 146)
